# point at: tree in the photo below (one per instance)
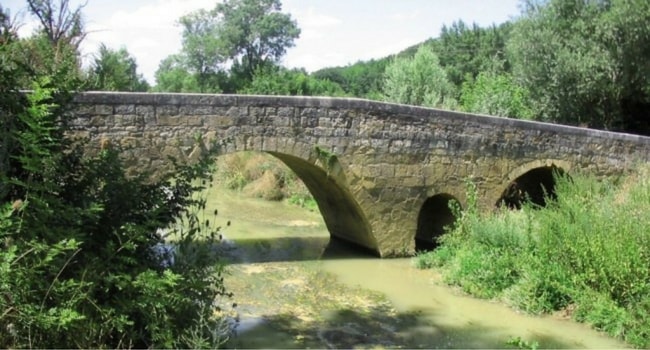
(54, 48)
(202, 50)
(115, 71)
(496, 94)
(585, 62)
(244, 35)
(78, 238)
(362, 79)
(172, 76)
(60, 24)
(465, 51)
(418, 80)
(254, 33)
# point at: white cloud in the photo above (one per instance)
(149, 32)
(403, 17)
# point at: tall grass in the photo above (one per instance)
(586, 253)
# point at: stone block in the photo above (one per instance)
(168, 120)
(167, 110)
(101, 109)
(145, 111)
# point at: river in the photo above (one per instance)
(296, 289)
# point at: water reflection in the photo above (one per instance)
(294, 248)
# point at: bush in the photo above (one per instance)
(78, 259)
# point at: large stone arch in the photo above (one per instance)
(342, 214)
(533, 180)
(323, 175)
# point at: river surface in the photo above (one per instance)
(296, 289)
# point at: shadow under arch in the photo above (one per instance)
(434, 216)
(341, 212)
(535, 185)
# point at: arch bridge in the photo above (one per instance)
(382, 174)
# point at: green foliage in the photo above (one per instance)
(522, 344)
(418, 81)
(264, 176)
(496, 94)
(254, 33)
(466, 51)
(325, 157)
(282, 81)
(53, 50)
(115, 71)
(201, 54)
(362, 79)
(80, 262)
(173, 76)
(586, 252)
(304, 200)
(80, 258)
(584, 62)
(248, 36)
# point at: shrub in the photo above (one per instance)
(78, 261)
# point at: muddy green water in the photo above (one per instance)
(296, 289)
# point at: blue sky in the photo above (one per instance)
(334, 32)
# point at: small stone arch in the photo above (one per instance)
(435, 214)
(533, 181)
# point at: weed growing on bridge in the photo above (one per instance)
(585, 255)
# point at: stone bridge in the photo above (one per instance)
(382, 174)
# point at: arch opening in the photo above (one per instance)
(536, 185)
(435, 215)
(342, 214)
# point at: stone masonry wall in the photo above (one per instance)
(389, 158)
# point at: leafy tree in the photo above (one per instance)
(466, 51)
(115, 71)
(254, 33)
(54, 49)
(419, 80)
(496, 94)
(172, 76)
(202, 50)
(244, 35)
(585, 62)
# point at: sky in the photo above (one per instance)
(333, 32)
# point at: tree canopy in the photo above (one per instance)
(418, 80)
(240, 35)
(115, 70)
(585, 62)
